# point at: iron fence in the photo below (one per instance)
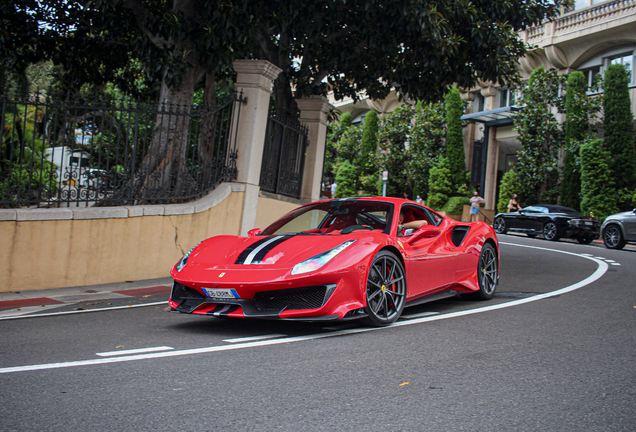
(104, 151)
(283, 156)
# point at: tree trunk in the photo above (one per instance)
(207, 132)
(163, 170)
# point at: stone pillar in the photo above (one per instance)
(313, 114)
(492, 164)
(254, 78)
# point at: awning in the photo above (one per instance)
(496, 117)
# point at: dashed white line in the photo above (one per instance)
(598, 273)
(134, 351)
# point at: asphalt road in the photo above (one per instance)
(554, 351)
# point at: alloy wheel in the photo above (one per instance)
(386, 290)
(487, 272)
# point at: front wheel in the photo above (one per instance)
(386, 290)
(551, 232)
(487, 270)
(500, 226)
(613, 237)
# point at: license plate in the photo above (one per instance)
(221, 293)
(589, 223)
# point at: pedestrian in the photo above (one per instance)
(513, 204)
(475, 201)
(418, 199)
(406, 196)
(333, 189)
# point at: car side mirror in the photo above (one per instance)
(423, 232)
(254, 232)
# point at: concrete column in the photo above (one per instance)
(313, 113)
(490, 189)
(254, 79)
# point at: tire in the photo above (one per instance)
(551, 232)
(584, 240)
(500, 225)
(613, 237)
(386, 290)
(487, 271)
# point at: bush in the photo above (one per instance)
(346, 181)
(507, 188)
(369, 143)
(440, 185)
(618, 129)
(455, 138)
(597, 184)
(455, 205)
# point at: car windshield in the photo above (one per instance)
(566, 210)
(334, 218)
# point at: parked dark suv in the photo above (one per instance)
(551, 221)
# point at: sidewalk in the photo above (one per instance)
(28, 302)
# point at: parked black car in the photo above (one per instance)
(618, 229)
(551, 221)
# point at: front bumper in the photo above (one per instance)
(316, 298)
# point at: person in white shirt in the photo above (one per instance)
(474, 206)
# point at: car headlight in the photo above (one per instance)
(183, 261)
(314, 263)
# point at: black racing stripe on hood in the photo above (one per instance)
(243, 256)
(258, 259)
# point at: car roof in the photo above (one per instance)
(552, 208)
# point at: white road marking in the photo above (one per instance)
(615, 263)
(83, 311)
(419, 315)
(598, 273)
(134, 351)
(254, 338)
(601, 258)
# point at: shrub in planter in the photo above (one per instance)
(597, 184)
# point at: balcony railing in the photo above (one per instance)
(586, 17)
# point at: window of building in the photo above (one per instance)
(627, 61)
(591, 76)
(478, 103)
(508, 97)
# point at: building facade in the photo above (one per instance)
(588, 38)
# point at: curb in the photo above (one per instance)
(15, 301)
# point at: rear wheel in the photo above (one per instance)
(487, 271)
(500, 226)
(551, 232)
(386, 290)
(584, 240)
(613, 237)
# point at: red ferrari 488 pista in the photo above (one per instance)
(354, 258)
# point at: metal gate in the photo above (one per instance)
(283, 156)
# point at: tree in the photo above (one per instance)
(597, 183)
(375, 46)
(335, 129)
(346, 181)
(440, 184)
(575, 127)
(393, 154)
(455, 138)
(541, 137)
(369, 143)
(426, 144)
(619, 132)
